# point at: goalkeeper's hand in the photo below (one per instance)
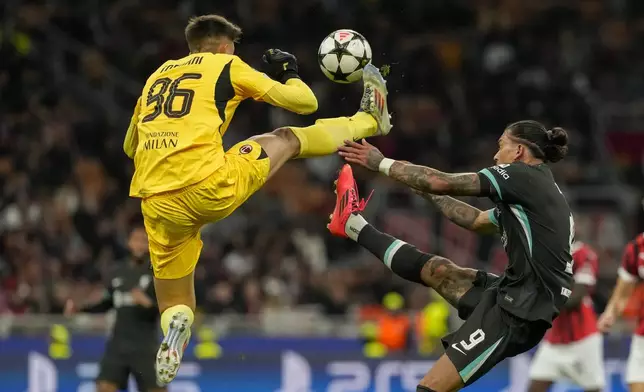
(279, 65)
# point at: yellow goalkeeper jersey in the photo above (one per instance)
(175, 135)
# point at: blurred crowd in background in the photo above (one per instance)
(70, 73)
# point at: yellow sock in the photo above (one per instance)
(166, 316)
(326, 135)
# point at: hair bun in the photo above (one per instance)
(558, 136)
(557, 147)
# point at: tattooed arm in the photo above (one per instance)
(428, 180)
(430, 183)
(421, 178)
(463, 214)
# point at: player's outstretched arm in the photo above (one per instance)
(295, 96)
(103, 305)
(429, 180)
(283, 88)
(292, 93)
(421, 178)
(463, 214)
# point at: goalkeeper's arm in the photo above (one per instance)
(293, 94)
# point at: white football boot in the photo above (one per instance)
(171, 350)
(374, 98)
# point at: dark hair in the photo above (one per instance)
(551, 145)
(210, 26)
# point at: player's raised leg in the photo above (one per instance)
(326, 135)
(405, 260)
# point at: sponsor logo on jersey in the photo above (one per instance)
(245, 149)
(500, 169)
(566, 292)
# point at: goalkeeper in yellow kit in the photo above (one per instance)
(182, 173)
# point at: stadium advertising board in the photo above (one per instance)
(284, 365)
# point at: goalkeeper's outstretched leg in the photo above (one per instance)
(326, 135)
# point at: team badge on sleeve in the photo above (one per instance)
(245, 149)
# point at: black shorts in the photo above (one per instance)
(119, 362)
(490, 334)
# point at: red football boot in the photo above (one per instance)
(347, 202)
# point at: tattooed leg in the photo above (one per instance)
(448, 279)
(406, 261)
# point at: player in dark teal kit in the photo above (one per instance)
(135, 337)
(505, 315)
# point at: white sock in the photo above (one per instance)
(354, 225)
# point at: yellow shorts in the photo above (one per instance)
(173, 220)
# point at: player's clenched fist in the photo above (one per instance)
(280, 65)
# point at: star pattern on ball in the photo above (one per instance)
(364, 60)
(339, 50)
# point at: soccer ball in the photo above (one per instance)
(343, 54)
